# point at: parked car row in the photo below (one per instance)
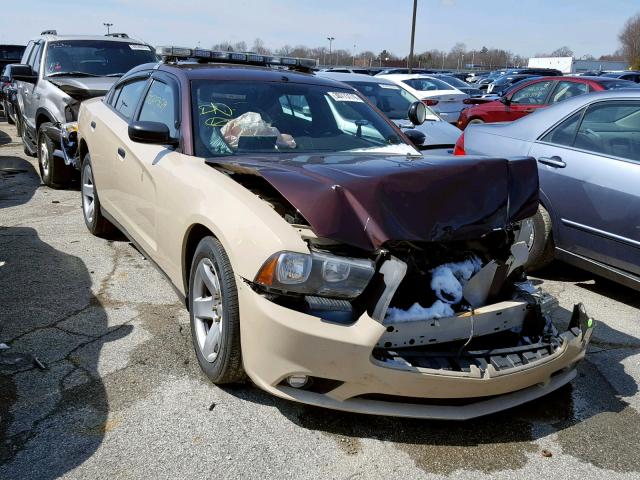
(276, 202)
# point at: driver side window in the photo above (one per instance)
(534, 94)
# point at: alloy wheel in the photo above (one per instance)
(88, 193)
(207, 309)
(44, 158)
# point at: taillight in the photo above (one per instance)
(430, 103)
(459, 148)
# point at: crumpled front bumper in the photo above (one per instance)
(278, 342)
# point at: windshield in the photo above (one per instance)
(266, 117)
(615, 84)
(11, 52)
(95, 57)
(456, 82)
(426, 84)
(392, 100)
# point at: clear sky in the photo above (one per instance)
(524, 27)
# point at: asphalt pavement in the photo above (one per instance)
(100, 380)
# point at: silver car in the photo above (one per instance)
(394, 101)
(588, 152)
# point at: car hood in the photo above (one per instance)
(438, 133)
(81, 88)
(368, 200)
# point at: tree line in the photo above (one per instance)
(458, 57)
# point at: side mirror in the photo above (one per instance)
(23, 73)
(506, 100)
(417, 137)
(417, 113)
(155, 133)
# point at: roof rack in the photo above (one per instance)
(49, 32)
(174, 54)
(117, 35)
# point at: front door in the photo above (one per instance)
(526, 100)
(589, 168)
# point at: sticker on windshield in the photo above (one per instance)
(345, 97)
(390, 87)
(139, 47)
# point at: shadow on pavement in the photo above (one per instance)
(504, 440)
(53, 403)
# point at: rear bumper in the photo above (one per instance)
(278, 342)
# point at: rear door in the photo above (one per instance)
(526, 100)
(589, 168)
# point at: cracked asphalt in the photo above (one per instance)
(121, 395)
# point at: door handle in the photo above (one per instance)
(121, 152)
(93, 124)
(554, 161)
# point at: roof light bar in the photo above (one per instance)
(170, 53)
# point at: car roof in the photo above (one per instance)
(230, 71)
(355, 77)
(53, 38)
(532, 126)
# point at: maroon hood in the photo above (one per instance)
(367, 200)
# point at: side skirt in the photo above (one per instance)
(610, 273)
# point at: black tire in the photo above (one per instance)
(54, 172)
(96, 223)
(6, 114)
(542, 249)
(18, 124)
(227, 365)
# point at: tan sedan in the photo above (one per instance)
(318, 252)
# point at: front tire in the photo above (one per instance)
(10, 120)
(54, 172)
(96, 223)
(214, 313)
(542, 247)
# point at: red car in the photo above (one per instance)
(534, 94)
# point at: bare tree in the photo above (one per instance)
(259, 48)
(630, 39)
(562, 52)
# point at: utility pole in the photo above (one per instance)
(108, 25)
(413, 34)
(331, 39)
(354, 55)
(443, 60)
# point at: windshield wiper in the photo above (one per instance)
(75, 74)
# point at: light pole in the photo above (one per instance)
(354, 55)
(413, 35)
(108, 25)
(331, 39)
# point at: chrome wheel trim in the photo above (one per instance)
(44, 158)
(207, 309)
(88, 193)
(532, 236)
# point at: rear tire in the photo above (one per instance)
(214, 313)
(53, 170)
(91, 211)
(542, 248)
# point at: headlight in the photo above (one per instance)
(69, 130)
(316, 274)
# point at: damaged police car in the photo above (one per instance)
(318, 252)
(57, 73)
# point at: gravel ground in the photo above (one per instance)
(122, 396)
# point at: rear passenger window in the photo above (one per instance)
(565, 133)
(127, 99)
(565, 90)
(612, 129)
(160, 106)
(296, 105)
